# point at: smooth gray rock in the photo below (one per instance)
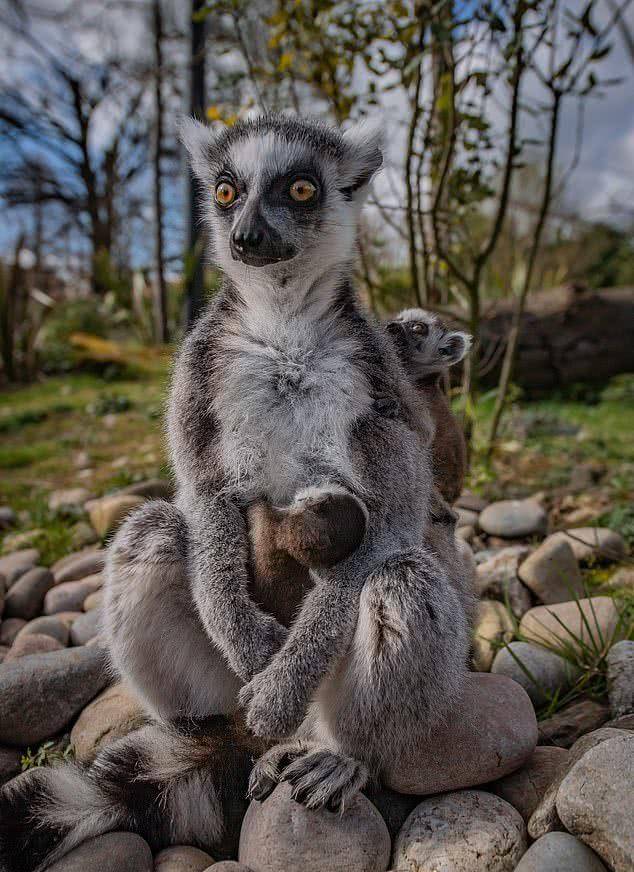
(468, 831)
(493, 626)
(86, 627)
(620, 662)
(475, 746)
(471, 501)
(545, 818)
(68, 500)
(280, 834)
(573, 721)
(182, 858)
(549, 672)
(12, 566)
(592, 621)
(594, 544)
(80, 565)
(9, 629)
(7, 517)
(25, 598)
(552, 572)
(69, 596)
(47, 625)
(525, 788)
(559, 852)
(228, 866)
(41, 694)
(9, 763)
(514, 519)
(466, 518)
(151, 489)
(114, 852)
(34, 643)
(496, 578)
(595, 801)
(111, 715)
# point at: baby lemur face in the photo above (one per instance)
(425, 344)
(282, 195)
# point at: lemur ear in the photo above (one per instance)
(364, 155)
(198, 139)
(454, 347)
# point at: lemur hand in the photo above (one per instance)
(271, 711)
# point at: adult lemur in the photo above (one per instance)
(284, 392)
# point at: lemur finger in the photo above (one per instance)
(266, 773)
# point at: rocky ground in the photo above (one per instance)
(534, 771)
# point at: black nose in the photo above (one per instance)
(249, 239)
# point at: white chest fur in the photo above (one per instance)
(289, 394)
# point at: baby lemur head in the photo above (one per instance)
(282, 194)
(425, 344)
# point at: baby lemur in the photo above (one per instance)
(285, 392)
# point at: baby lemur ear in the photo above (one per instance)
(198, 139)
(454, 347)
(363, 155)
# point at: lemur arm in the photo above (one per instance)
(218, 559)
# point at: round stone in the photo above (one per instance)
(86, 627)
(114, 852)
(9, 630)
(575, 719)
(93, 601)
(69, 596)
(151, 489)
(7, 517)
(595, 801)
(228, 866)
(26, 596)
(476, 745)
(589, 621)
(280, 834)
(620, 662)
(80, 565)
(47, 625)
(34, 643)
(16, 564)
(594, 544)
(107, 513)
(559, 852)
(468, 831)
(113, 714)
(541, 673)
(552, 572)
(525, 787)
(493, 626)
(68, 500)
(41, 694)
(514, 519)
(182, 858)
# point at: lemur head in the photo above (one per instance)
(282, 194)
(425, 344)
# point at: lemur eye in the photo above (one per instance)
(302, 190)
(421, 328)
(225, 194)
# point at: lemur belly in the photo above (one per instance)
(299, 393)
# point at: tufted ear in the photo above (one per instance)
(363, 155)
(198, 139)
(454, 347)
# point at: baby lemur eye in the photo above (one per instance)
(225, 194)
(302, 190)
(421, 328)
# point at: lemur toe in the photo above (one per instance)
(267, 772)
(323, 779)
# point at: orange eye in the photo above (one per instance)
(225, 194)
(302, 190)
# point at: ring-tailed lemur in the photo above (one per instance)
(428, 349)
(279, 393)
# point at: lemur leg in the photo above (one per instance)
(399, 679)
(156, 639)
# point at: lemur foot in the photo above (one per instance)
(322, 526)
(323, 779)
(267, 772)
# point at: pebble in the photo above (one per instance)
(466, 518)
(14, 565)
(525, 787)
(86, 627)
(68, 500)
(93, 601)
(497, 579)
(107, 513)
(80, 565)
(280, 834)
(7, 517)
(552, 572)
(113, 852)
(69, 596)
(493, 625)
(151, 489)
(595, 801)
(47, 625)
(35, 643)
(9, 629)
(111, 715)
(549, 673)
(620, 661)
(82, 535)
(514, 519)
(545, 818)
(591, 621)
(10, 765)
(468, 831)
(182, 858)
(559, 852)
(574, 720)
(622, 578)
(25, 597)
(476, 745)
(39, 695)
(471, 501)
(594, 544)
